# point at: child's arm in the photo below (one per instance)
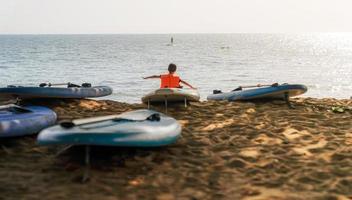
(154, 76)
(189, 85)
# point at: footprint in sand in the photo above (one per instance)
(218, 125)
(304, 146)
(88, 104)
(263, 139)
(183, 122)
(262, 193)
(348, 140)
(250, 152)
(292, 134)
(305, 150)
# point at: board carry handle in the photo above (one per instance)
(52, 84)
(258, 85)
(87, 85)
(11, 106)
(8, 106)
(15, 108)
(116, 118)
(68, 84)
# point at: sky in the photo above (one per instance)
(174, 16)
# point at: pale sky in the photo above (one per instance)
(174, 16)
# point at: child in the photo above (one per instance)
(170, 80)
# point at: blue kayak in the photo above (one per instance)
(269, 92)
(140, 128)
(54, 92)
(19, 121)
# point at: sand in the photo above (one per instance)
(236, 150)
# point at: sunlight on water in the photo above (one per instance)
(209, 61)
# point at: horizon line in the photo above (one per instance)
(177, 33)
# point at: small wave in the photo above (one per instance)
(315, 86)
(243, 75)
(107, 82)
(4, 67)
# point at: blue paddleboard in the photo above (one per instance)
(19, 121)
(54, 92)
(140, 128)
(268, 92)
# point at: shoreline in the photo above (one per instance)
(228, 150)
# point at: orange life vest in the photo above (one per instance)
(170, 81)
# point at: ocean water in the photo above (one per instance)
(323, 62)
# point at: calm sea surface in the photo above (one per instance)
(323, 62)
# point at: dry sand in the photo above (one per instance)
(238, 150)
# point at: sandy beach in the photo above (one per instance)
(228, 150)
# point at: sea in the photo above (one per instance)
(321, 61)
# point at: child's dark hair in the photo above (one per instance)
(172, 67)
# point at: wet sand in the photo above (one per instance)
(237, 150)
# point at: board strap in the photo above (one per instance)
(115, 118)
(258, 85)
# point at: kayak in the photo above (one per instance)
(140, 128)
(269, 92)
(171, 95)
(77, 92)
(19, 121)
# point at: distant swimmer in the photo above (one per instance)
(172, 40)
(170, 80)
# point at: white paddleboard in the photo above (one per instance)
(171, 95)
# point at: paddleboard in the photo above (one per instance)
(140, 128)
(270, 92)
(21, 92)
(19, 121)
(171, 95)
